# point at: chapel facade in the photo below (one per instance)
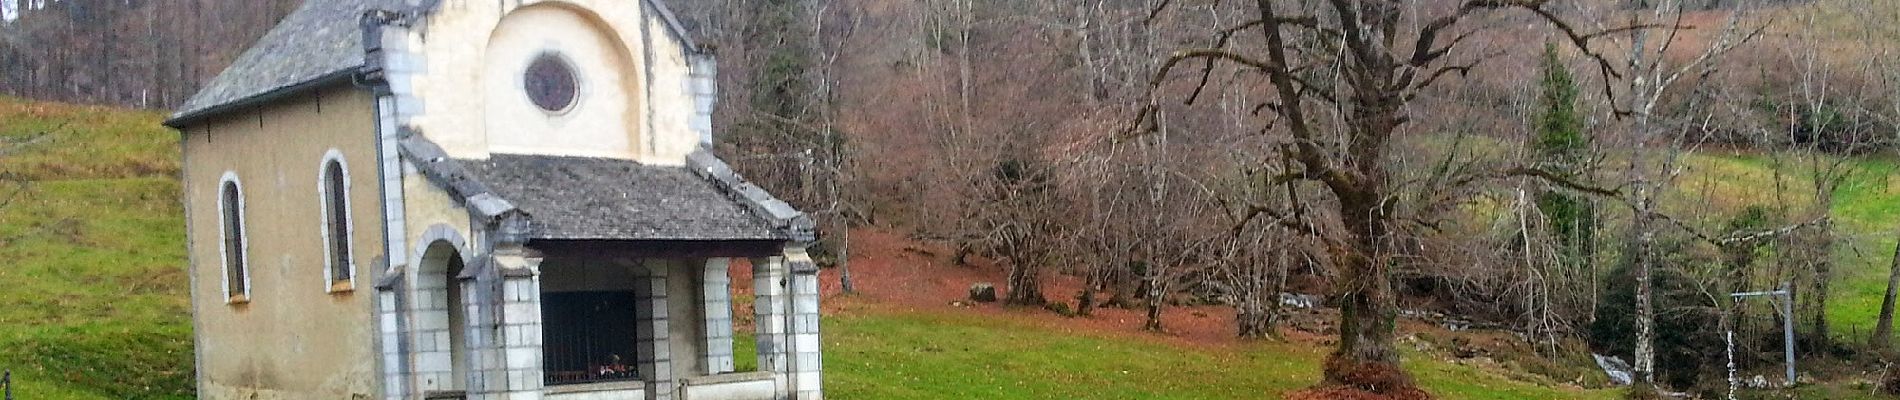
(464, 199)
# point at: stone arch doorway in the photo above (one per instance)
(442, 351)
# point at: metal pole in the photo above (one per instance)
(1787, 330)
(1785, 307)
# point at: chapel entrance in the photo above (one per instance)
(591, 320)
(442, 363)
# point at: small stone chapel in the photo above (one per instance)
(484, 199)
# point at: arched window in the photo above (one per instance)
(237, 279)
(335, 188)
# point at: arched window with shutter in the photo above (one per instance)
(237, 277)
(334, 187)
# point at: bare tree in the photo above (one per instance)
(1342, 75)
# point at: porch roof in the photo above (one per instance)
(591, 199)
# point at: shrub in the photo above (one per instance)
(1687, 328)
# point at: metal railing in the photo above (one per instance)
(578, 359)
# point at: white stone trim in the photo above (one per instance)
(439, 233)
(431, 356)
(224, 258)
(716, 307)
(331, 285)
(400, 64)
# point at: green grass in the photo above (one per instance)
(1866, 214)
(94, 305)
(1868, 209)
(897, 355)
(79, 142)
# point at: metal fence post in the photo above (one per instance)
(1785, 307)
(1787, 330)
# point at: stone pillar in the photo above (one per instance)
(389, 326)
(768, 311)
(516, 362)
(806, 363)
(716, 304)
(479, 319)
(655, 358)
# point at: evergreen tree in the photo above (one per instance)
(1561, 146)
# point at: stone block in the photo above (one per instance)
(392, 359)
(432, 362)
(720, 365)
(805, 304)
(480, 336)
(524, 358)
(531, 336)
(719, 347)
(517, 379)
(662, 352)
(426, 341)
(809, 362)
(492, 354)
(521, 313)
(770, 326)
(806, 382)
(436, 380)
(718, 311)
(657, 309)
(805, 324)
(805, 342)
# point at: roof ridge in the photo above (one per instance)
(783, 216)
(435, 164)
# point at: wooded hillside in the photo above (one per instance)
(134, 53)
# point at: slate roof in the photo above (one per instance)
(577, 198)
(321, 41)
(318, 44)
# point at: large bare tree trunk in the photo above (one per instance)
(1368, 306)
(1883, 330)
(1644, 365)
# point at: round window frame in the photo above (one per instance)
(573, 73)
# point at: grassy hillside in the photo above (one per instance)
(1866, 214)
(94, 303)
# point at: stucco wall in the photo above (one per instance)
(427, 205)
(294, 339)
(672, 94)
(476, 52)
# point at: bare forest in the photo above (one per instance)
(1533, 166)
